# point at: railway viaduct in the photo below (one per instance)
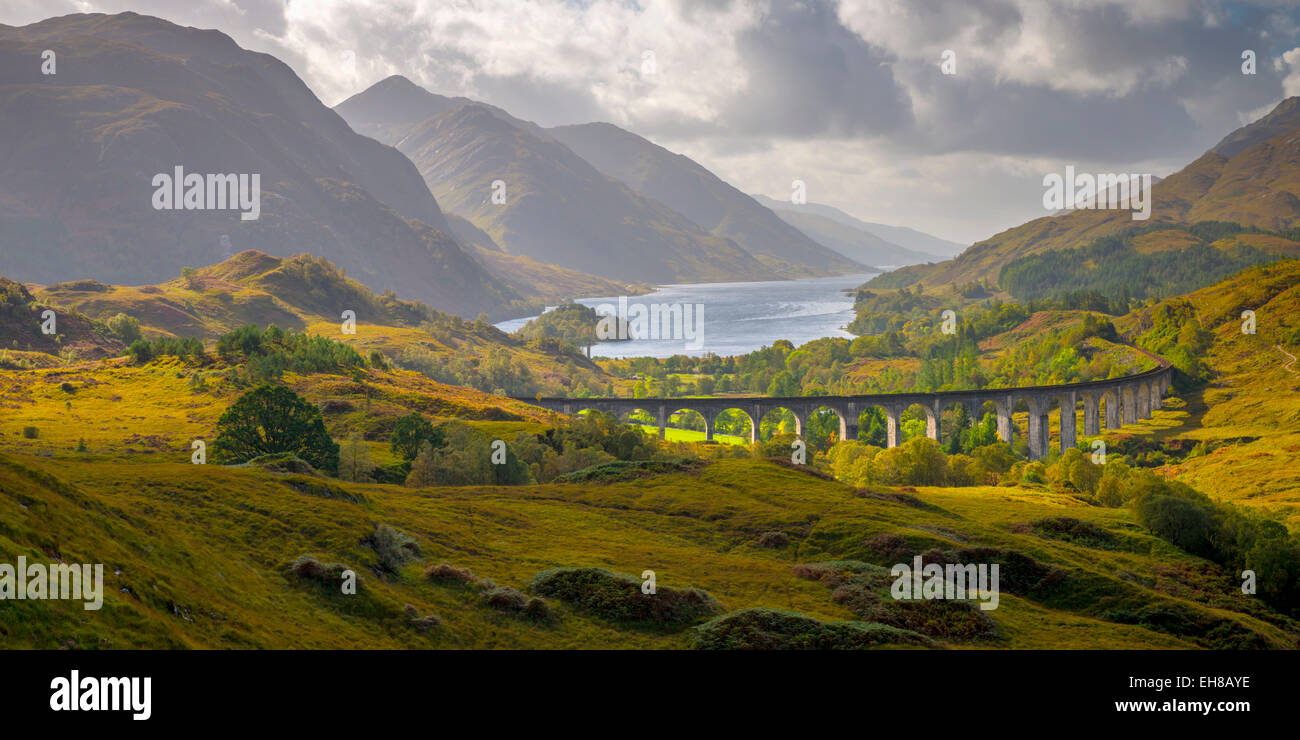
(1125, 399)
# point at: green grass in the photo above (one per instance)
(203, 553)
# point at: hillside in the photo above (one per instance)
(94, 467)
(22, 323)
(136, 96)
(1247, 179)
(199, 557)
(1247, 419)
(559, 210)
(308, 294)
(691, 190)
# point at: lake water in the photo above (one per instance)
(740, 317)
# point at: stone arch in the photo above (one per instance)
(819, 411)
(1091, 413)
(748, 417)
(1004, 408)
(1109, 405)
(1128, 405)
(954, 408)
(1038, 429)
(767, 412)
(1143, 400)
(704, 423)
(1067, 404)
(928, 414)
(644, 415)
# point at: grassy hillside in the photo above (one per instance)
(1249, 179)
(1247, 419)
(306, 293)
(199, 556)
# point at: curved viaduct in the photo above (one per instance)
(1127, 399)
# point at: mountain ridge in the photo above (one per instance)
(136, 95)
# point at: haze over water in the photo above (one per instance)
(741, 317)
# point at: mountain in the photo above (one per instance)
(1284, 118)
(854, 243)
(1251, 178)
(134, 97)
(693, 191)
(557, 208)
(389, 109)
(918, 242)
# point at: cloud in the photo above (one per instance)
(847, 93)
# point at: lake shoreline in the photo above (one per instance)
(739, 317)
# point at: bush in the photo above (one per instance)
(866, 591)
(127, 328)
(31, 432)
(394, 548)
(505, 598)
(618, 597)
(447, 572)
(773, 539)
(307, 567)
(1074, 530)
(770, 629)
(537, 609)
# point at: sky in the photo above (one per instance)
(849, 97)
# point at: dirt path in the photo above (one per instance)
(1287, 367)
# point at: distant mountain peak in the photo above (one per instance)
(1284, 117)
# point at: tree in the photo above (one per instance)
(783, 385)
(354, 460)
(191, 275)
(423, 468)
(127, 328)
(273, 419)
(411, 430)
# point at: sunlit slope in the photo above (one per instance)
(197, 556)
(153, 412)
(1250, 410)
(307, 293)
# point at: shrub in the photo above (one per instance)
(537, 609)
(773, 539)
(127, 328)
(445, 571)
(393, 547)
(31, 432)
(770, 629)
(307, 567)
(1074, 530)
(618, 597)
(866, 591)
(505, 598)
(426, 623)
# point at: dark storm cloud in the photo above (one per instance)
(810, 76)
